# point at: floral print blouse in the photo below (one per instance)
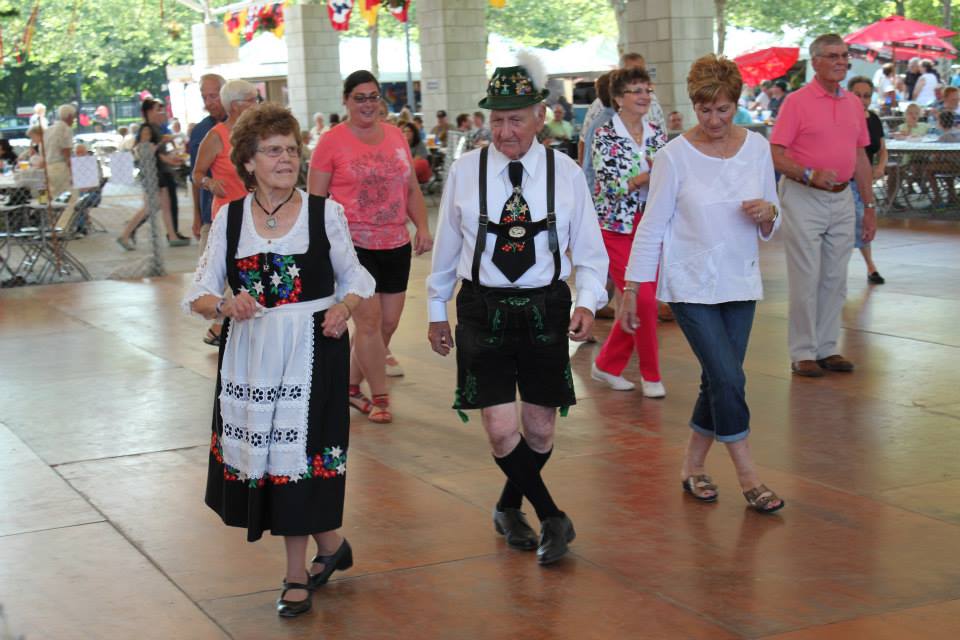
(616, 159)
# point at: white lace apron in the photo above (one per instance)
(265, 390)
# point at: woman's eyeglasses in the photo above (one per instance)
(638, 92)
(276, 150)
(359, 98)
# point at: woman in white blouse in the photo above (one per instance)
(278, 452)
(712, 195)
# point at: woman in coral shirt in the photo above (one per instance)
(366, 166)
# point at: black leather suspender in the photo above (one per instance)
(484, 219)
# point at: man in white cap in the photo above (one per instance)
(510, 214)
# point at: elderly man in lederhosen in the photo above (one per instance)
(515, 219)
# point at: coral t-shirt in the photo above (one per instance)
(371, 182)
(224, 170)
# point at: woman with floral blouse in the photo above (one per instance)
(623, 152)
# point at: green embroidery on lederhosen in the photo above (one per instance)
(469, 393)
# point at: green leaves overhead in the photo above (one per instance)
(115, 47)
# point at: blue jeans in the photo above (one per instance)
(858, 242)
(718, 335)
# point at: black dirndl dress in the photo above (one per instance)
(312, 502)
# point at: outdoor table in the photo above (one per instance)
(916, 166)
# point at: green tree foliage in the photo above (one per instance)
(551, 25)
(114, 48)
(817, 16)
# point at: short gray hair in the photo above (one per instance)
(826, 40)
(66, 111)
(234, 90)
(216, 77)
(318, 114)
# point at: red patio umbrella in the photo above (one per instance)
(926, 47)
(896, 29)
(766, 64)
(899, 34)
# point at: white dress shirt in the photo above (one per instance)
(577, 228)
(694, 227)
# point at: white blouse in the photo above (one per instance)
(211, 274)
(694, 228)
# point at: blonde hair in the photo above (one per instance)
(712, 77)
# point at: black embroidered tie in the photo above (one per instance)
(514, 251)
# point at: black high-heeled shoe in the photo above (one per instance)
(341, 560)
(293, 608)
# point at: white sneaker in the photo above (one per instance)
(617, 383)
(653, 389)
(393, 370)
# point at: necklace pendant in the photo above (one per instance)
(271, 223)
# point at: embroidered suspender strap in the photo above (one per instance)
(234, 224)
(481, 242)
(552, 238)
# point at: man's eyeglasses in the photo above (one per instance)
(833, 57)
(276, 150)
(638, 92)
(359, 98)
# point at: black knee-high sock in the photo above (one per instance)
(512, 496)
(521, 467)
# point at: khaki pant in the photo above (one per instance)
(58, 176)
(818, 228)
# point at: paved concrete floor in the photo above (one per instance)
(104, 426)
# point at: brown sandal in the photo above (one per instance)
(698, 485)
(760, 499)
(380, 413)
(359, 401)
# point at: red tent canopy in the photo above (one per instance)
(766, 64)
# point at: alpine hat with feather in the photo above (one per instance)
(516, 87)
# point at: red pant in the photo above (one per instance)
(616, 350)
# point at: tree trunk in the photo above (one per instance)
(721, 7)
(374, 33)
(620, 12)
(947, 14)
(900, 9)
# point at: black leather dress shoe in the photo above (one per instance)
(555, 534)
(341, 560)
(293, 608)
(512, 524)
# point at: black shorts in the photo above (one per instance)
(390, 268)
(509, 340)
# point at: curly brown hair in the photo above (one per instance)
(712, 77)
(255, 125)
(620, 78)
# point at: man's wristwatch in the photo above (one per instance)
(807, 176)
(204, 181)
(869, 205)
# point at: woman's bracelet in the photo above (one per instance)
(630, 289)
(219, 308)
(349, 310)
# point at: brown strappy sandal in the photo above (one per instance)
(760, 499)
(699, 485)
(380, 413)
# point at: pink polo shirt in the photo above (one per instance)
(822, 131)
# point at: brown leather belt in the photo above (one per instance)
(837, 188)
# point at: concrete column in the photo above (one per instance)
(313, 62)
(453, 50)
(211, 47)
(670, 34)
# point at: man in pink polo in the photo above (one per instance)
(818, 145)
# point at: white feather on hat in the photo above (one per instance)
(535, 69)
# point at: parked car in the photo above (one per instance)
(13, 127)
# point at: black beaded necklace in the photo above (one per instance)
(271, 220)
